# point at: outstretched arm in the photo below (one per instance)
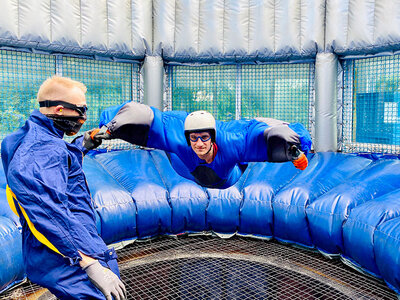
(143, 125)
(268, 140)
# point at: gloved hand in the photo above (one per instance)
(93, 138)
(300, 160)
(105, 280)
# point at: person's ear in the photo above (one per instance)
(59, 110)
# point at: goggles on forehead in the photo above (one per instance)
(203, 137)
(81, 109)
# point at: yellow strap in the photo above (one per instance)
(41, 238)
(10, 200)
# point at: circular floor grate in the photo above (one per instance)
(238, 268)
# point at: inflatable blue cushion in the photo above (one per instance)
(325, 171)
(387, 252)
(360, 227)
(116, 210)
(188, 200)
(135, 171)
(327, 213)
(12, 266)
(262, 183)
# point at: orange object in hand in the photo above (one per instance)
(301, 163)
(94, 132)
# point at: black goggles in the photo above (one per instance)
(81, 109)
(204, 138)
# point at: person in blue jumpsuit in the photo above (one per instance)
(206, 151)
(62, 250)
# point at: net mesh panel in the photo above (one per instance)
(108, 84)
(21, 74)
(281, 91)
(210, 88)
(371, 96)
(238, 268)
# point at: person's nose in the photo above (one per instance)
(199, 142)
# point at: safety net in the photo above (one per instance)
(21, 74)
(281, 91)
(371, 96)
(204, 267)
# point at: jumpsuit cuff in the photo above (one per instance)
(72, 261)
(107, 255)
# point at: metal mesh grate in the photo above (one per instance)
(371, 99)
(237, 268)
(281, 91)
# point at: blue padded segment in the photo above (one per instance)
(3, 180)
(116, 210)
(223, 209)
(264, 180)
(188, 200)
(387, 254)
(11, 262)
(327, 213)
(135, 172)
(5, 209)
(359, 229)
(325, 171)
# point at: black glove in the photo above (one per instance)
(93, 138)
(279, 140)
(106, 281)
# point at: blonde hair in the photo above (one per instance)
(54, 87)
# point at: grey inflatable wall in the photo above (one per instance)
(238, 30)
(203, 30)
(210, 31)
(113, 28)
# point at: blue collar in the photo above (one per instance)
(38, 118)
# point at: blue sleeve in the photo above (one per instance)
(39, 180)
(78, 143)
(109, 113)
(304, 135)
(167, 131)
(243, 140)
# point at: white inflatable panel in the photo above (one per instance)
(66, 24)
(9, 20)
(34, 22)
(94, 24)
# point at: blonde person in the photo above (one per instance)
(62, 250)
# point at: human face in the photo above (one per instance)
(71, 109)
(76, 98)
(200, 143)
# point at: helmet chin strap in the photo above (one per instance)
(211, 146)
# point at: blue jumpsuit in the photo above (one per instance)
(239, 142)
(51, 196)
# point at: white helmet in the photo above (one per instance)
(199, 121)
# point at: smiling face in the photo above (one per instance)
(201, 143)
